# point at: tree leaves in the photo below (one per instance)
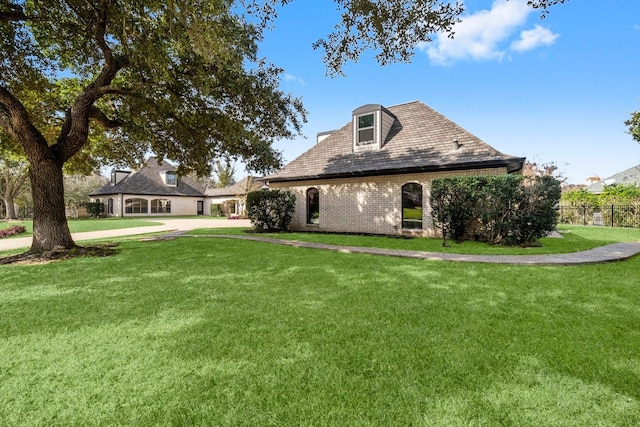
(634, 125)
(178, 78)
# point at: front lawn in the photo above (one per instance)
(87, 224)
(203, 331)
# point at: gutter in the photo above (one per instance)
(513, 165)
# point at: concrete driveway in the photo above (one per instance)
(168, 225)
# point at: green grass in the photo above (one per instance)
(575, 238)
(201, 331)
(88, 224)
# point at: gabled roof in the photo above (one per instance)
(630, 176)
(240, 188)
(420, 140)
(148, 181)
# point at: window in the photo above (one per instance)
(136, 206)
(412, 206)
(365, 129)
(110, 206)
(172, 179)
(160, 206)
(313, 206)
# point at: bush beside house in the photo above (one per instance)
(495, 209)
(270, 211)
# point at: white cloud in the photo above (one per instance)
(292, 78)
(531, 39)
(485, 35)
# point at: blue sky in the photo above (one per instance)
(553, 90)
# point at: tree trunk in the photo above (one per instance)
(50, 228)
(10, 206)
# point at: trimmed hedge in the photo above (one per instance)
(270, 211)
(496, 209)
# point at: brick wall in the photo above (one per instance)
(371, 205)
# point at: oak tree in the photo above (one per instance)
(14, 174)
(178, 78)
(633, 124)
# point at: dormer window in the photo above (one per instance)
(366, 129)
(118, 175)
(172, 179)
(371, 125)
(169, 178)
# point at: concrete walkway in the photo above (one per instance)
(177, 227)
(614, 252)
(168, 226)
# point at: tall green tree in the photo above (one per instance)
(634, 125)
(224, 171)
(179, 78)
(169, 77)
(78, 187)
(14, 175)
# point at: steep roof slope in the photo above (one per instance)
(148, 181)
(420, 139)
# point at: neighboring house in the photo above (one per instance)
(374, 174)
(234, 195)
(630, 176)
(156, 189)
(153, 190)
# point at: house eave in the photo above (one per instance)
(146, 194)
(513, 165)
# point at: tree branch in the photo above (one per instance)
(13, 14)
(75, 129)
(15, 121)
(99, 116)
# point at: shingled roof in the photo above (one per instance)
(242, 187)
(148, 181)
(629, 176)
(420, 140)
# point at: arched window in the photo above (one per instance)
(160, 206)
(136, 206)
(412, 206)
(110, 206)
(313, 206)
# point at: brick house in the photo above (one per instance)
(374, 174)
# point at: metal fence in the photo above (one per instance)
(607, 216)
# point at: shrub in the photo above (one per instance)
(216, 210)
(271, 210)
(95, 209)
(499, 198)
(12, 231)
(619, 194)
(452, 203)
(497, 209)
(535, 215)
(580, 197)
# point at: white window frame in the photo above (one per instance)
(365, 128)
(172, 179)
